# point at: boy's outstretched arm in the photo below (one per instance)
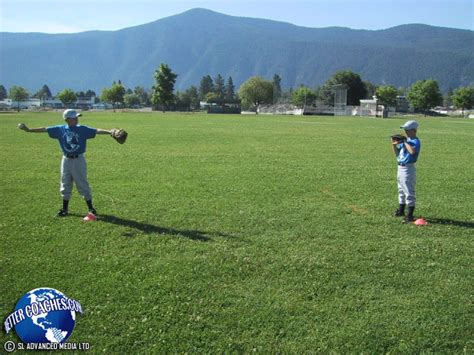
(104, 131)
(24, 127)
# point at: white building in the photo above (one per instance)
(85, 102)
(50, 102)
(29, 103)
(368, 107)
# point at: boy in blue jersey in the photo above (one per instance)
(407, 151)
(72, 139)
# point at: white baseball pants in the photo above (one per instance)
(406, 179)
(74, 170)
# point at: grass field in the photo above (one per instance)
(245, 233)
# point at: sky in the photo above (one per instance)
(71, 16)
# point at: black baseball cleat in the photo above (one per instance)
(399, 213)
(93, 211)
(409, 218)
(62, 213)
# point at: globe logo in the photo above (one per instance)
(44, 315)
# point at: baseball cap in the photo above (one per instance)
(410, 125)
(69, 113)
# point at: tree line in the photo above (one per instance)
(422, 95)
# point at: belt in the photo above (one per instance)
(403, 164)
(70, 156)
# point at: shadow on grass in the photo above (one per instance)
(152, 229)
(451, 222)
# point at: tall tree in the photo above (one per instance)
(212, 97)
(3, 92)
(18, 93)
(303, 96)
(163, 89)
(256, 91)
(448, 98)
(113, 95)
(386, 95)
(142, 94)
(206, 86)
(193, 95)
(276, 88)
(371, 89)
(402, 91)
(67, 97)
(131, 100)
(189, 99)
(105, 95)
(356, 89)
(219, 86)
(463, 98)
(229, 89)
(424, 95)
(90, 93)
(42, 93)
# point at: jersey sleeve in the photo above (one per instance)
(415, 143)
(89, 132)
(54, 131)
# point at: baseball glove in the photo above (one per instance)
(399, 138)
(119, 134)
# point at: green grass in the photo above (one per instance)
(246, 233)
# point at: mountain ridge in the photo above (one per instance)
(200, 42)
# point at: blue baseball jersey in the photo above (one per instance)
(404, 157)
(72, 139)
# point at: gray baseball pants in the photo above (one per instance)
(406, 179)
(74, 170)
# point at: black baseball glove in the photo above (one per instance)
(400, 138)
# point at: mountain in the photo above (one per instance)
(200, 42)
